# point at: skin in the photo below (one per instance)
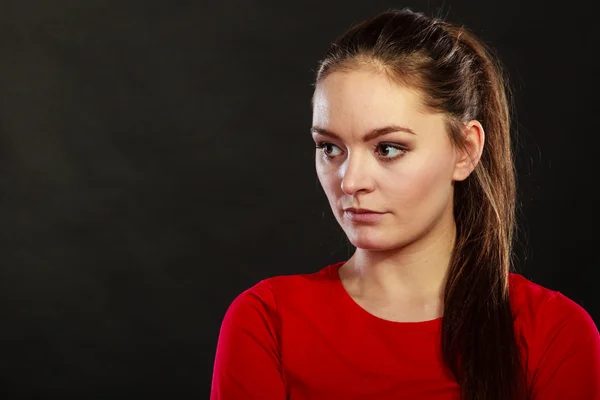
(399, 268)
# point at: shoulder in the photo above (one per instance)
(267, 298)
(547, 311)
(248, 356)
(558, 339)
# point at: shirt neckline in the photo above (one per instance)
(433, 325)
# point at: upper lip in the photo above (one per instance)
(361, 210)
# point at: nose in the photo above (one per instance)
(356, 176)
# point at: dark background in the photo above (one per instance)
(155, 161)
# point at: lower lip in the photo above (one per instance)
(363, 217)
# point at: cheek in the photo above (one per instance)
(328, 179)
(424, 184)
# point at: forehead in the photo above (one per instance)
(366, 97)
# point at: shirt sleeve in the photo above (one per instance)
(568, 344)
(247, 362)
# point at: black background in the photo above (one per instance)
(155, 161)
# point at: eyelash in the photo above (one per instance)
(321, 146)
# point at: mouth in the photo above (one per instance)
(361, 211)
(363, 216)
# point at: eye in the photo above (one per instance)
(328, 149)
(389, 151)
(385, 151)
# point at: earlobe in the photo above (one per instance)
(468, 158)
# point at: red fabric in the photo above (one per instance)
(301, 337)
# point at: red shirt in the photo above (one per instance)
(302, 337)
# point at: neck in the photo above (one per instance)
(416, 272)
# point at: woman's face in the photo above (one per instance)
(381, 151)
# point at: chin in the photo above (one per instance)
(371, 241)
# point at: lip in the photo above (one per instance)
(361, 211)
(361, 215)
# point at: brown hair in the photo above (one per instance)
(459, 77)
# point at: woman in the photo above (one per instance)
(411, 125)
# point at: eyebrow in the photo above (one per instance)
(375, 133)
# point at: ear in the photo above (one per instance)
(467, 159)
